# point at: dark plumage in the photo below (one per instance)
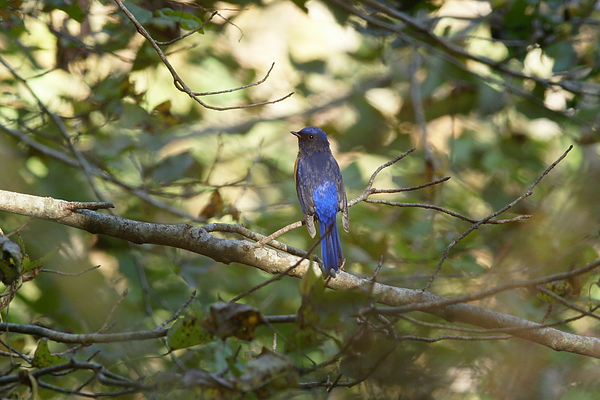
(321, 193)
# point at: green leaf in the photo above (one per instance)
(186, 20)
(11, 261)
(187, 332)
(560, 288)
(141, 14)
(71, 8)
(301, 4)
(43, 358)
(146, 57)
(311, 283)
(29, 265)
(175, 167)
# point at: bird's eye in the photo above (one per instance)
(311, 137)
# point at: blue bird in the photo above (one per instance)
(321, 193)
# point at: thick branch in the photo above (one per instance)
(199, 240)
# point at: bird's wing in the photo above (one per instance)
(304, 188)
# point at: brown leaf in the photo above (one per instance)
(232, 319)
(214, 206)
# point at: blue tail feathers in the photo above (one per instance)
(331, 247)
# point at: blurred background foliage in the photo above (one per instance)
(88, 112)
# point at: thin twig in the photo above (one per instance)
(245, 232)
(179, 311)
(446, 211)
(143, 280)
(53, 271)
(452, 337)
(410, 188)
(455, 53)
(239, 87)
(138, 192)
(64, 337)
(377, 269)
(567, 303)
(281, 274)
(179, 83)
(107, 321)
(489, 292)
(278, 233)
(419, 112)
(370, 190)
(19, 228)
(374, 175)
(210, 17)
(476, 225)
(83, 163)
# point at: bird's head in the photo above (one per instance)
(312, 138)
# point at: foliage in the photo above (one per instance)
(489, 92)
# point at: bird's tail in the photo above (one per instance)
(331, 247)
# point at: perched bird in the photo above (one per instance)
(321, 193)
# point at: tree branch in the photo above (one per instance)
(179, 83)
(82, 338)
(199, 240)
(476, 225)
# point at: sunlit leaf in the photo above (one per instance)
(188, 21)
(187, 332)
(560, 288)
(43, 358)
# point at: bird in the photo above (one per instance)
(321, 193)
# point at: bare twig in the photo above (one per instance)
(419, 112)
(366, 192)
(445, 211)
(107, 322)
(370, 190)
(476, 225)
(63, 337)
(263, 80)
(83, 163)
(450, 47)
(410, 188)
(377, 269)
(278, 276)
(276, 234)
(489, 292)
(425, 38)
(19, 228)
(179, 311)
(452, 337)
(101, 373)
(567, 303)
(179, 83)
(53, 271)
(141, 193)
(255, 236)
(210, 17)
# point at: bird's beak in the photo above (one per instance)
(297, 134)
